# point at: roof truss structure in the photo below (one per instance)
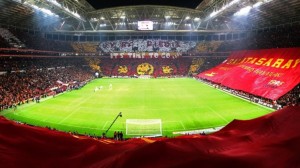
(20, 13)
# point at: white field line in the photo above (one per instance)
(104, 125)
(64, 119)
(94, 128)
(63, 124)
(218, 114)
(182, 125)
(77, 108)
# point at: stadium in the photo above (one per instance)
(203, 83)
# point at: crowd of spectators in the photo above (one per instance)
(158, 67)
(11, 64)
(85, 47)
(286, 36)
(10, 39)
(32, 83)
(149, 45)
(210, 46)
(292, 98)
(38, 42)
(201, 64)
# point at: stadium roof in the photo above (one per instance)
(209, 15)
(102, 4)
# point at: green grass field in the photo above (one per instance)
(181, 103)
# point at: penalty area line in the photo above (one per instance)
(104, 125)
(182, 125)
(67, 116)
(218, 114)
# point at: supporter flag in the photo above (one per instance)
(267, 73)
(62, 83)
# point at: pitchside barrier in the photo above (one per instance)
(145, 76)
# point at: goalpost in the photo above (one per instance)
(144, 127)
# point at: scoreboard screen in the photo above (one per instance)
(145, 25)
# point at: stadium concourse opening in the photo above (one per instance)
(150, 84)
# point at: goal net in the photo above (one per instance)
(144, 127)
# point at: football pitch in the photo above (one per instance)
(181, 103)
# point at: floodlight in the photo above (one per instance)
(257, 4)
(244, 11)
(196, 19)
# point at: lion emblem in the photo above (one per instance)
(194, 68)
(123, 69)
(167, 69)
(145, 69)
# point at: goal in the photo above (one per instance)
(144, 127)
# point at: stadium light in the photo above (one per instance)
(55, 3)
(214, 13)
(94, 19)
(257, 4)
(196, 19)
(46, 11)
(102, 25)
(243, 12)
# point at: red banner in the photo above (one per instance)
(267, 73)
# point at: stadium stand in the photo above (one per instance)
(279, 37)
(148, 45)
(85, 47)
(46, 48)
(27, 79)
(37, 42)
(157, 67)
(11, 39)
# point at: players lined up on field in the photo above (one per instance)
(101, 88)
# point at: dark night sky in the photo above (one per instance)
(100, 4)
